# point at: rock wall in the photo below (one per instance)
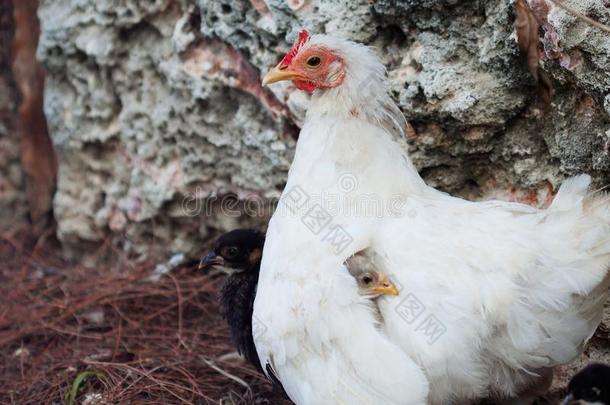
(156, 110)
(12, 196)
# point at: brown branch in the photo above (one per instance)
(588, 20)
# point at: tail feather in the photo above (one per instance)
(589, 214)
(577, 249)
(571, 193)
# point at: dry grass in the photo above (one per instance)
(68, 333)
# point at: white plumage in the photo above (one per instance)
(513, 289)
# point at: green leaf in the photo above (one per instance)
(76, 384)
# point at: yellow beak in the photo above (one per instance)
(277, 74)
(386, 288)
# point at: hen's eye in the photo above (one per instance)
(313, 61)
(231, 252)
(367, 280)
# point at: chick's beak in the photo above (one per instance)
(386, 287)
(209, 260)
(279, 73)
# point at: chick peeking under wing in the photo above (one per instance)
(372, 282)
(239, 253)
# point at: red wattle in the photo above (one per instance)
(305, 86)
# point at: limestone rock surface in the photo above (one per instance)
(157, 105)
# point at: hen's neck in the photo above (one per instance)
(346, 134)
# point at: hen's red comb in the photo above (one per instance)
(298, 44)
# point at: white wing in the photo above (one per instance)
(512, 289)
(329, 350)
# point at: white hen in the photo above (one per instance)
(494, 294)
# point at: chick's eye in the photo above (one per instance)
(231, 252)
(313, 61)
(367, 280)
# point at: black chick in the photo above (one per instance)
(240, 251)
(590, 386)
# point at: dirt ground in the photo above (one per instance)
(114, 335)
(118, 334)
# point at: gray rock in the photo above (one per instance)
(12, 181)
(145, 112)
(156, 109)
